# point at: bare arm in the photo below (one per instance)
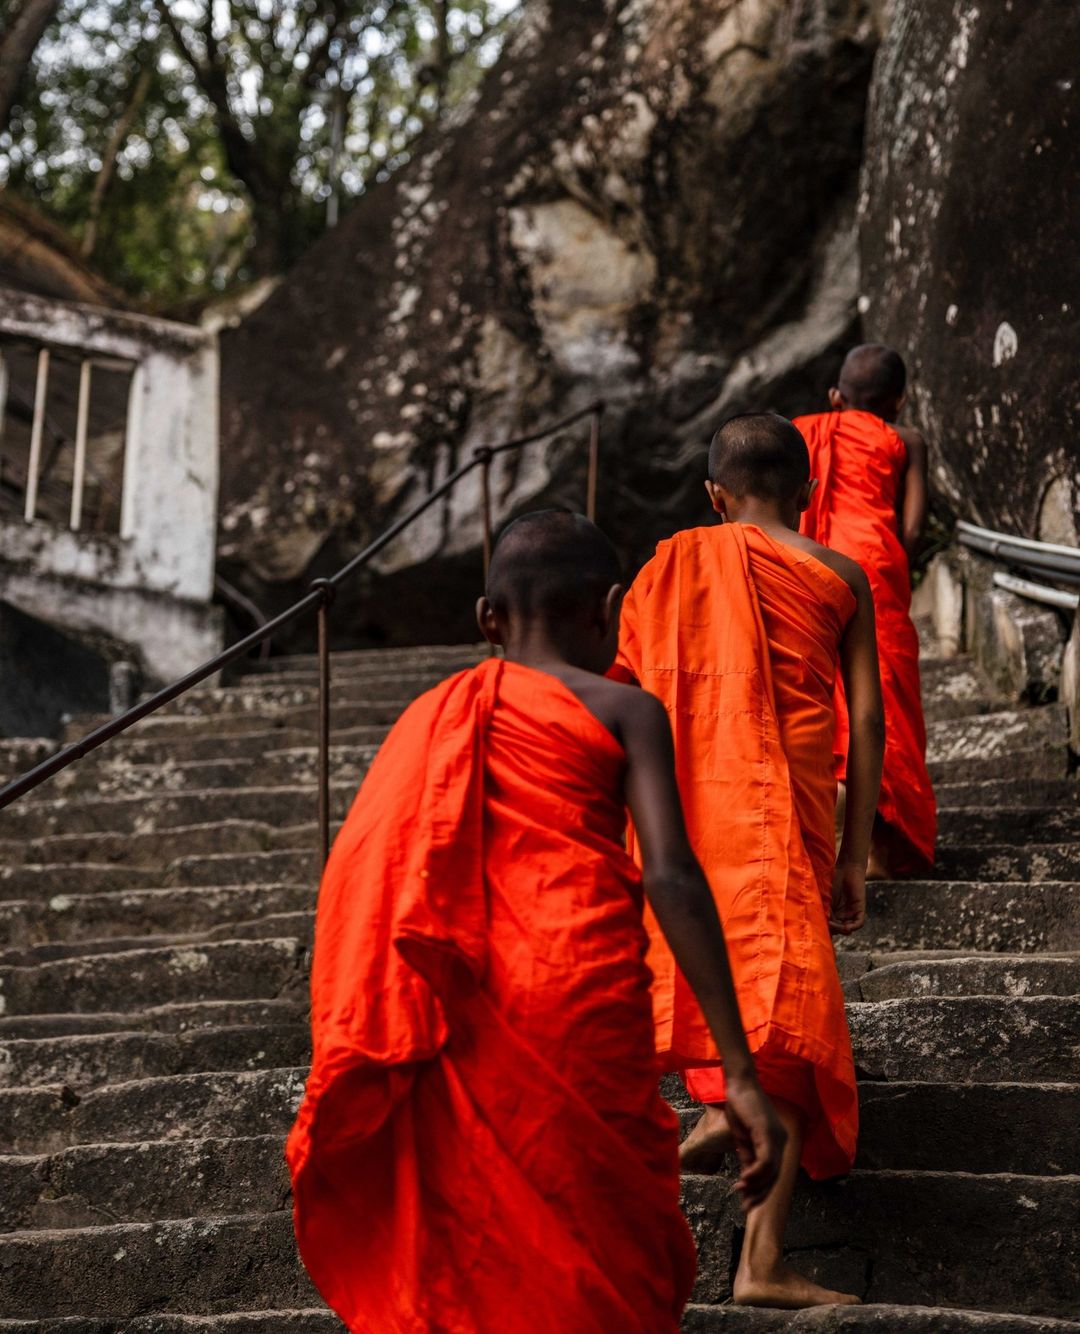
(866, 747)
(916, 492)
(683, 903)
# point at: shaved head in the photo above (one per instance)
(550, 565)
(759, 454)
(873, 378)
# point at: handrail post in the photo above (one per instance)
(594, 463)
(323, 615)
(484, 455)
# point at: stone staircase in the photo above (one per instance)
(156, 903)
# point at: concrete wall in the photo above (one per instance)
(146, 592)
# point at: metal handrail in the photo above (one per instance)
(1049, 557)
(319, 599)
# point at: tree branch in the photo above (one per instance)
(17, 47)
(120, 131)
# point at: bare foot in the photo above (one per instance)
(877, 868)
(708, 1144)
(787, 1289)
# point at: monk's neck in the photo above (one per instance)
(768, 516)
(534, 646)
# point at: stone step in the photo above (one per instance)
(299, 926)
(270, 696)
(36, 880)
(435, 657)
(193, 1265)
(151, 848)
(93, 1060)
(172, 1018)
(217, 745)
(1012, 825)
(1038, 762)
(72, 920)
(118, 777)
(1006, 792)
(702, 1319)
(219, 1104)
(1004, 1242)
(298, 865)
(165, 728)
(988, 1038)
(85, 813)
(227, 970)
(91, 1185)
(986, 975)
(998, 734)
(1034, 862)
(958, 1127)
(17, 754)
(235, 1322)
(1006, 915)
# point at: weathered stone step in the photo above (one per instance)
(998, 734)
(1011, 825)
(86, 813)
(427, 657)
(970, 915)
(227, 970)
(92, 1060)
(224, 743)
(298, 926)
(270, 696)
(166, 727)
(955, 1127)
(91, 1185)
(700, 1319)
(38, 879)
(17, 754)
(1007, 792)
(1007, 1243)
(219, 1104)
(235, 1322)
(68, 920)
(1034, 862)
(297, 865)
(986, 975)
(153, 848)
(987, 1038)
(1024, 763)
(118, 777)
(172, 1018)
(194, 1265)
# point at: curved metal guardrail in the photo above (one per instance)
(1048, 558)
(319, 599)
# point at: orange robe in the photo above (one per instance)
(738, 636)
(482, 1146)
(859, 461)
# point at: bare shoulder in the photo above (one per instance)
(849, 570)
(914, 439)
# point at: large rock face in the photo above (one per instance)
(969, 231)
(650, 202)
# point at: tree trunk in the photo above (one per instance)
(17, 46)
(117, 139)
(649, 203)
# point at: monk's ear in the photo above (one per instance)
(715, 498)
(486, 620)
(612, 603)
(806, 495)
(836, 400)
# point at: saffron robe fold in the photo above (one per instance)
(482, 1145)
(859, 461)
(738, 636)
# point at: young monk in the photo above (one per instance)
(482, 1145)
(871, 505)
(737, 629)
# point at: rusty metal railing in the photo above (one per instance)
(320, 598)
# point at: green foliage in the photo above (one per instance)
(247, 117)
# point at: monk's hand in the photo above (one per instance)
(848, 911)
(758, 1137)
